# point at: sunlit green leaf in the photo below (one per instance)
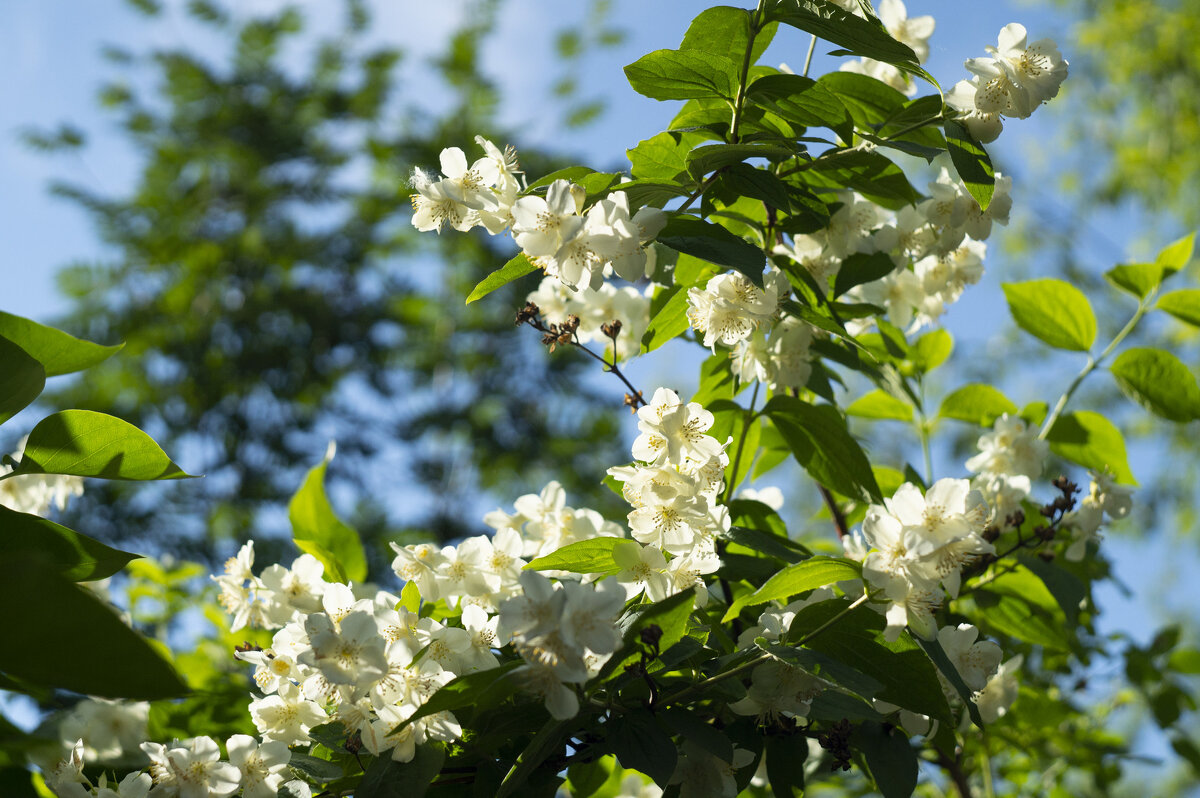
(83, 443)
(1054, 311)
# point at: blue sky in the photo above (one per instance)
(50, 53)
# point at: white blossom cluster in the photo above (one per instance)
(565, 631)
(36, 493)
(595, 308)
(1013, 80)
(674, 491)
(767, 346)
(111, 731)
(186, 769)
(916, 544)
(580, 246)
(937, 248)
(1010, 457)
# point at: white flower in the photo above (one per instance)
(419, 563)
(589, 614)
(110, 730)
(778, 690)
(1001, 691)
(36, 493)
(1012, 448)
(261, 766)
(699, 774)
(351, 652)
(974, 660)
(673, 431)
(542, 226)
(134, 785)
(643, 568)
(285, 716)
(730, 307)
(1019, 77)
(984, 126)
(913, 31)
(198, 771)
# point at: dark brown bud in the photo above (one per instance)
(991, 534)
(1046, 555)
(527, 314)
(247, 646)
(612, 329)
(1016, 519)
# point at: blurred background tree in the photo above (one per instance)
(273, 296)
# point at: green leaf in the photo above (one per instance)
(1092, 441)
(592, 556)
(670, 322)
(663, 156)
(713, 243)
(1054, 311)
(930, 351)
(861, 268)
(978, 404)
(1017, 603)
(514, 269)
(869, 101)
(387, 778)
(828, 21)
(712, 157)
(1175, 257)
(744, 180)
(1185, 660)
(22, 379)
(881, 405)
(321, 770)
(725, 31)
(799, 578)
(820, 442)
(786, 755)
(1159, 381)
(872, 174)
(573, 174)
(655, 193)
(83, 443)
(544, 742)
(1138, 279)
(641, 743)
(66, 552)
(891, 758)
(971, 161)
(61, 631)
(584, 778)
(716, 380)
(1183, 305)
(670, 615)
(682, 75)
(797, 99)
(907, 675)
(318, 531)
(58, 352)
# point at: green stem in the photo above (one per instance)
(925, 453)
(744, 75)
(733, 467)
(812, 46)
(1092, 363)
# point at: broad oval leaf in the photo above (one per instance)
(387, 778)
(978, 404)
(84, 443)
(1138, 279)
(828, 21)
(592, 556)
(22, 379)
(1183, 305)
(669, 322)
(1158, 381)
(516, 268)
(971, 161)
(68, 553)
(682, 75)
(1054, 311)
(820, 442)
(58, 352)
(799, 578)
(725, 31)
(318, 531)
(797, 99)
(1175, 256)
(713, 243)
(1092, 441)
(61, 629)
(880, 405)
(930, 351)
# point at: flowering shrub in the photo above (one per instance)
(698, 647)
